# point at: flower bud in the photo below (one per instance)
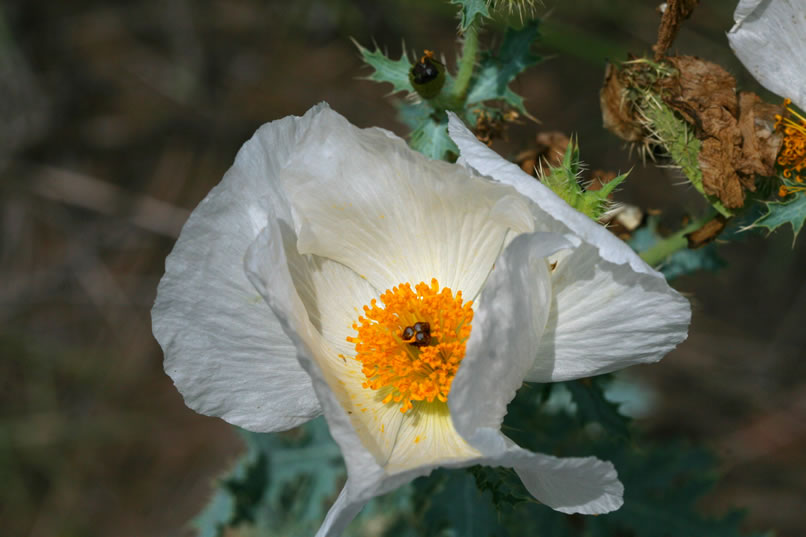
(427, 76)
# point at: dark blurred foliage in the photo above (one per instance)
(117, 117)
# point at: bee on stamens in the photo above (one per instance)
(421, 339)
(420, 332)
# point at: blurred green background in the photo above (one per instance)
(117, 117)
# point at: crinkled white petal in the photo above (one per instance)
(606, 317)
(301, 210)
(340, 514)
(332, 296)
(609, 308)
(224, 348)
(270, 270)
(382, 447)
(744, 8)
(554, 214)
(508, 323)
(363, 198)
(584, 485)
(769, 38)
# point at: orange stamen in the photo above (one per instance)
(792, 157)
(409, 371)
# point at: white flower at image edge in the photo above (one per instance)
(769, 37)
(292, 285)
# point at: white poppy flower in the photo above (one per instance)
(769, 37)
(292, 286)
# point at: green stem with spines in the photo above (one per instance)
(467, 63)
(679, 141)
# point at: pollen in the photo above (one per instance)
(792, 157)
(410, 344)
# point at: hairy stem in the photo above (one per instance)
(467, 63)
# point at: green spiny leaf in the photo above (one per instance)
(309, 468)
(470, 10)
(431, 139)
(395, 72)
(496, 71)
(779, 213)
(412, 114)
(611, 185)
(282, 484)
(662, 482)
(233, 501)
(563, 180)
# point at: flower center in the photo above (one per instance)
(413, 344)
(792, 157)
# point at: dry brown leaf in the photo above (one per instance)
(551, 146)
(739, 140)
(731, 155)
(707, 233)
(760, 141)
(701, 84)
(549, 150)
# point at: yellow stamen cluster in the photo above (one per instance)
(411, 371)
(792, 157)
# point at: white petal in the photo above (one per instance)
(770, 39)
(610, 309)
(559, 483)
(507, 326)
(555, 215)
(363, 198)
(329, 300)
(605, 317)
(270, 271)
(275, 269)
(224, 348)
(744, 8)
(357, 492)
(340, 514)
(584, 485)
